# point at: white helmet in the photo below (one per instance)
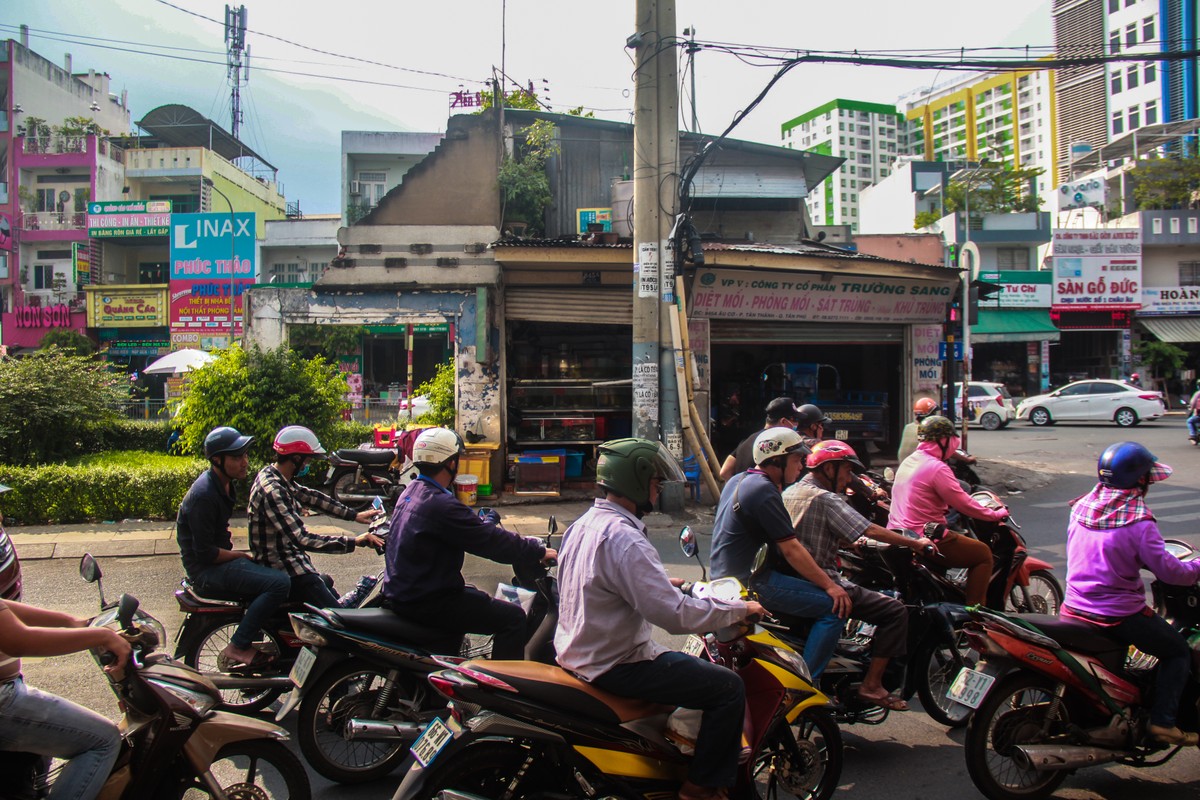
(297, 439)
(776, 442)
(436, 445)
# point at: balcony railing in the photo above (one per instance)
(38, 298)
(60, 144)
(52, 220)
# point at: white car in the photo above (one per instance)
(1093, 400)
(989, 405)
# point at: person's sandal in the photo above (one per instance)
(889, 701)
(1173, 736)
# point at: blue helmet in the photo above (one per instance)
(1123, 464)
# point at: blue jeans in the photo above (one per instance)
(1154, 636)
(38, 722)
(797, 597)
(1193, 423)
(685, 681)
(241, 577)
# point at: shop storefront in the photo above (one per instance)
(26, 325)
(1012, 333)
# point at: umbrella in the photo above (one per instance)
(178, 362)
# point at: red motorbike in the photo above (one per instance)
(1055, 695)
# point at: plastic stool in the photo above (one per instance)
(691, 471)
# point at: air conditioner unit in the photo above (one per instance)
(355, 188)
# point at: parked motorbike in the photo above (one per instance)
(357, 476)
(209, 624)
(1056, 695)
(519, 729)
(173, 742)
(360, 680)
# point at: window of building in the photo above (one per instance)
(1114, 83)
(43, 276)
(1118, 123)
(1012, 258)
(1156, 225)
(1193, 225)
(1131, 34)
(1131, 77)
(853, 184)
(1151, 112)
(1114, 6)
(1148, 29)
(1189, 272)
(1114, 42)
(1135, 118)
(1150, 73)
(1175, 225)
(46, 199)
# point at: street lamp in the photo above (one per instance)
(232, 250)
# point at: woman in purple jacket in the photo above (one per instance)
(1112, 535)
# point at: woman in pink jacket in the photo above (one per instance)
(925, 489)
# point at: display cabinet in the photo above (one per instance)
(567, 411)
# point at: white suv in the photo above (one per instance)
(989, 404)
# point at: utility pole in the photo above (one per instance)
(655, 160)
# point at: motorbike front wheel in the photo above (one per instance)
(936, 668)
(254, 768)
(1045, 594)
(351, 690)
(201, 652)
(803, 761)
(1020, 709)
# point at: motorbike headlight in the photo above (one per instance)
(307, 633)
(200, 703)
(793, 661)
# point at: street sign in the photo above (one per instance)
(958, 351)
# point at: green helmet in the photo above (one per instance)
(935, 427)
(626, 467)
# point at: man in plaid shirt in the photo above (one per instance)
(278, 537)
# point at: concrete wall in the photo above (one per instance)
(45, 89)
(917, 248)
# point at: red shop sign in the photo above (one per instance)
(42, 316)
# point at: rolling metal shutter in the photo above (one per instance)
(596, 306)
(726, 331)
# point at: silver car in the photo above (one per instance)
(1093, 401)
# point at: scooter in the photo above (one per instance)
(357, 476)
(360, 679)
(209, 623)
(173, 742)
(1056, 695)
(519, 729)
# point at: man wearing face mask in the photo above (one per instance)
(278, 536)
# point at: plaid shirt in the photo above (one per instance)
(822, 520)
(278, 538)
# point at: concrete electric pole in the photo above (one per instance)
(656, 412)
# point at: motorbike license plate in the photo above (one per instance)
(970, 687)
(694, 646)
(303, 666)
(841, 435)
(435, 736)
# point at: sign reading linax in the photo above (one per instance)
(1097, 269)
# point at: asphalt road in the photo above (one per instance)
(908, 756)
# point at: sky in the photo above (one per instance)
(392, 65)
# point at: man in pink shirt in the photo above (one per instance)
(925, 489)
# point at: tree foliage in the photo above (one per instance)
(51, 402)
(258, 392)
(1162, 183)
(1001, 190)
(69, 341)
(524, 185)
(440, 391)
(1163, 358)
(328, 341)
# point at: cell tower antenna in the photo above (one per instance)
(237, 62)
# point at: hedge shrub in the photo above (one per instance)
(116, 486)
(133, 434)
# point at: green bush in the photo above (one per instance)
(348, 434)
(108, 486)
(149, 436)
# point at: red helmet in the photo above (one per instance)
(833, 450)
(296, 439)
(924, 407)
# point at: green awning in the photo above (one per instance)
(1014, 325)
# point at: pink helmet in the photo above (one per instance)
(833, 450)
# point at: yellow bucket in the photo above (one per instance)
(466, 489)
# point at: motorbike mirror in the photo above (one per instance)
(89, 570)
(687, 542)
(552, 526)
(126, 608)
(760, 560)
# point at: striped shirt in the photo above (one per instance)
(278, 538)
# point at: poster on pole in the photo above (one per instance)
(647, 269)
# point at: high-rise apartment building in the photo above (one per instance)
(865, 134)
(1004, 118)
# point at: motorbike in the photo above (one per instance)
(519, 729)
(1056, 695)
(357, 476)
(360, 679)
(209, 623)
(173, 741)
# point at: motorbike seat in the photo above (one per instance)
(559, 689)
(1079, 635)
(386, 624)
(211, 598)
(371, 457)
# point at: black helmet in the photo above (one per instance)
(811, 415)
(225, 441)
(1122, 466)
